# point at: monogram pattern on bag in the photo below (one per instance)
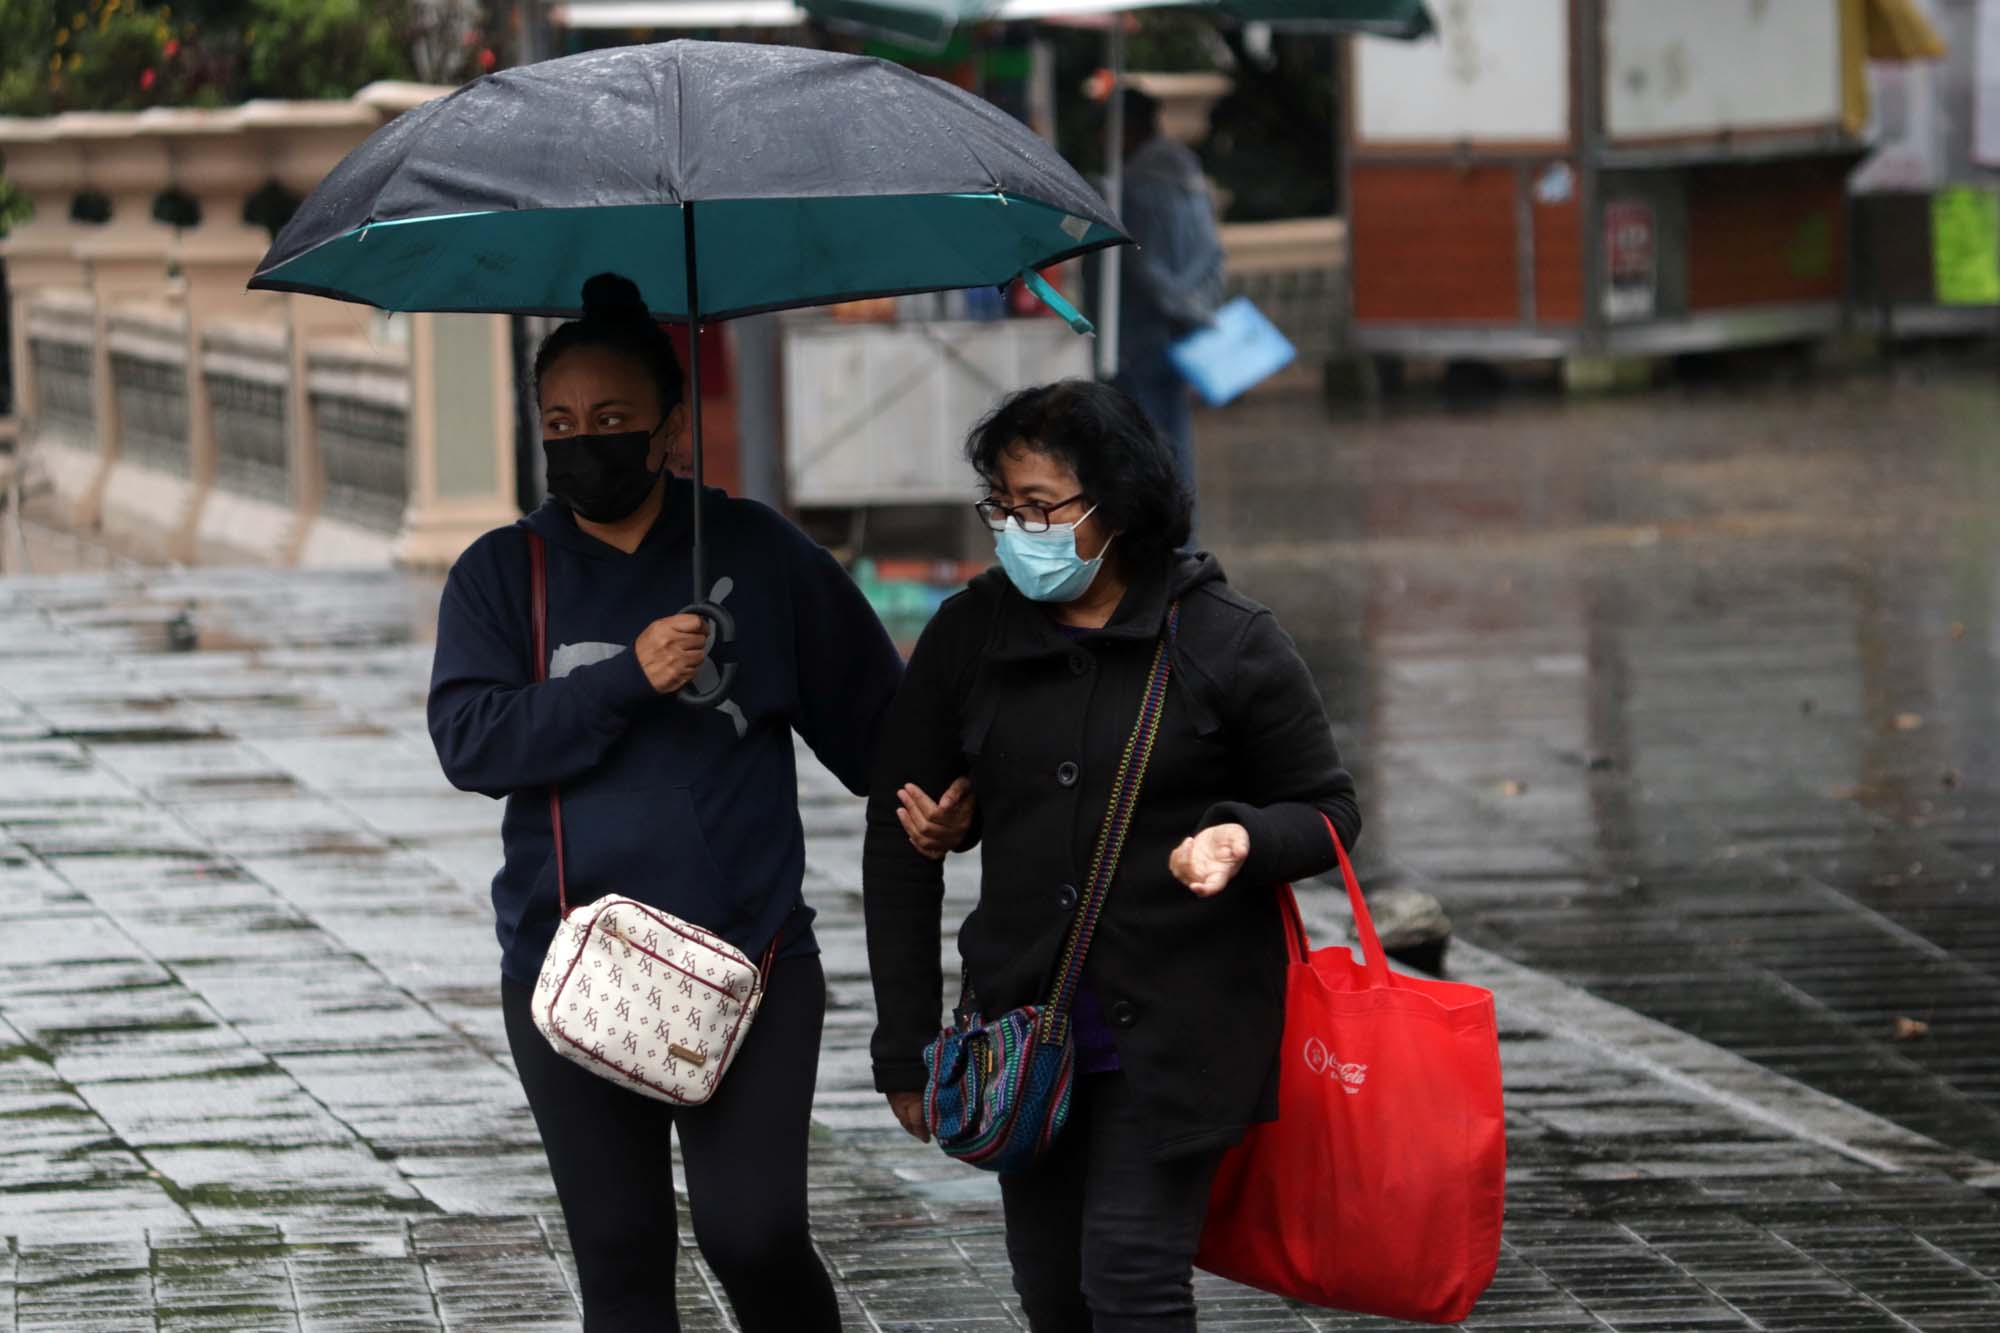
(602, 1003)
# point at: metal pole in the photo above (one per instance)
(1588, 37)
(759, 408)
(1114, 194)
(694, 373)
(534, 32)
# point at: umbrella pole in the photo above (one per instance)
(722, 625)
(1114, 195)
(694, 392)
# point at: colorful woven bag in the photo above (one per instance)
(998, 1092)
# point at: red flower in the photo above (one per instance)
(172, 48)
(147, 79)
(487, 60)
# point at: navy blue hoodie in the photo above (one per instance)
(693, 811)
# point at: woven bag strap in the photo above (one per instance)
(1111, 834)
(538, 567)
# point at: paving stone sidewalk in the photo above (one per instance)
(209, 866)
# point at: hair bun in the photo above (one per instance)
(613, 296)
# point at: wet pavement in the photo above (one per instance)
(1684, 705)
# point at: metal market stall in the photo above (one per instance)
(1622, 177)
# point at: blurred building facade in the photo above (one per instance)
(1563, 178)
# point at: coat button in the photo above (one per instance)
(1066, 773)
(1123, 1014)
(1067, 897)
(1078, 664)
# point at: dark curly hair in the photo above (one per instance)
(615, 318)
(1104, 437)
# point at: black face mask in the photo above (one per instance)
(603, 478)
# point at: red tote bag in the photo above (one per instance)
(1380, 1187)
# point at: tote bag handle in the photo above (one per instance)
(1373, 961)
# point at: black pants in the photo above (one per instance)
(745, 1158)
(1102, 1237)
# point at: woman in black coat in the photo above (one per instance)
(1030, 681)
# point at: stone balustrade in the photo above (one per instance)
(58, 341)
(248, 368)
(189, 418)
(361, 409)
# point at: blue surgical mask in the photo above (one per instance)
(1045, 565)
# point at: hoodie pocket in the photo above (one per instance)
(650, 847)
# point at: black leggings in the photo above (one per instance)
(1102, 1236)
(745, 1158)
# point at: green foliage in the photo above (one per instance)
(124, 55)
(1174, 43)
(323, 48)
(24, 58)
(104, 55)
(1272, 142)
(15, 207)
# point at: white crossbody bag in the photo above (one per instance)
(630, 992)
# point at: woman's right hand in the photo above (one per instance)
(909, 1109)
(670, 651)
(936, 828)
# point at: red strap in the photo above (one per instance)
(1373, 960)
(1297, 942)
(538, 564)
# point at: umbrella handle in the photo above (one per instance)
(723, 631)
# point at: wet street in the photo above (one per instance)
(1689, 699)
(1684, 705)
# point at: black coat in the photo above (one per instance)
(1194, 987)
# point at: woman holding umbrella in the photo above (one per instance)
(1030, 680)
(692, 810)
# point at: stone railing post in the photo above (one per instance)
(461, 435)
(41, 252)
(127, 258)
(213, 160)
(302, 141)
(461, 410)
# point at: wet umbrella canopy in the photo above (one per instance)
(930, 23)
(817, 177)
(723, 179)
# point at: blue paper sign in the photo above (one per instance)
(1237, 352)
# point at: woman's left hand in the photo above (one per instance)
(1210, 859)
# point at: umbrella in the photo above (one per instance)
(930, 24)
(723, 179)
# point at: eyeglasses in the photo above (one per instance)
(1033, 516)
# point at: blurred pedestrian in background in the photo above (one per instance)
(1172, 284)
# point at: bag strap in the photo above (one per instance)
(1373, 960)
(538, 572)
(1111, 834)
(538, 565)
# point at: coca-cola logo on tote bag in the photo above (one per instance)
(1325, 1064)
